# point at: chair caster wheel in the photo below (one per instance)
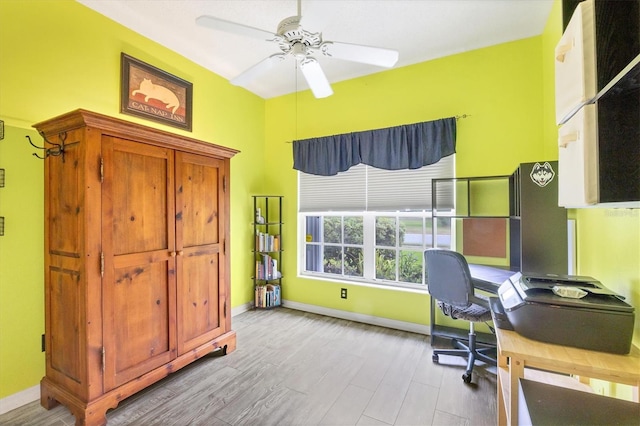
(466, 377)
(435, 358)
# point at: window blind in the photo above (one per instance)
(366, 188)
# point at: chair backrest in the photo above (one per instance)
(448, 277)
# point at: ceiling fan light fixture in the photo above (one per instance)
(299, 51)
(294, 40)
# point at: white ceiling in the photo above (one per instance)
(419, 29)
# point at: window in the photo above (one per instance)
(370, 225)
(336, 245)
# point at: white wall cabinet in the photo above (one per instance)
(598, 105)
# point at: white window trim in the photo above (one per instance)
(369, 247)
(368, 250)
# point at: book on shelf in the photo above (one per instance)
(268, 296)
(266, 242)
(267, 268)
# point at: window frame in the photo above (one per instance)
(423, 178)
(369, 247)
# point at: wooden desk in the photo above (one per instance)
(516, 352)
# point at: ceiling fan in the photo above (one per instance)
(293, 40)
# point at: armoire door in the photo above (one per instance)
(138, 234)
(201, 308)
(66, 292)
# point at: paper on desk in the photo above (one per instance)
(569, 292)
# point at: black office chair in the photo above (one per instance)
(451, 285)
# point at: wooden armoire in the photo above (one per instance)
(136, 259)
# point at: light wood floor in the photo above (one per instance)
(296, 368)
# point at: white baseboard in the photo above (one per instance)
(353, 316)
(242, 308)
(26, 396)
(19, 399)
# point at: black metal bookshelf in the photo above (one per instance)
(267, 251)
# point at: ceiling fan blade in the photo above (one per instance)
(233, 27)
(358, 53)
(315, 78)
(260, 68)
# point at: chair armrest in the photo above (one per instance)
(479, 301)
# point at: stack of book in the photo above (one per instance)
(268, 296)
(267, 242)
(267, 268)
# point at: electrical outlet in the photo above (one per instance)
(343, 293)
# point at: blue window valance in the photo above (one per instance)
(409, 146)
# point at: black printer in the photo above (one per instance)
(567, 310)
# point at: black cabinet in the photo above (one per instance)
(619, 139)
(568, 7)
(617, 34)
(537, 226)
(602, 159)
(617, 37)
(618, 103)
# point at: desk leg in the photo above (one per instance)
(516, 371)
(503, 363)
(502, 412)
(502, 360)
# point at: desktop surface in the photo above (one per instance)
(487, 277)
(544, 404)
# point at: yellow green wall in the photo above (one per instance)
(21, 263)
(499, 87)
(60, 56)
(508, 90)
(57, 56)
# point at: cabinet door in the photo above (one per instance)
(139, 259)
(578, 160)
(65, 276)
(199, 238)
(575, 63)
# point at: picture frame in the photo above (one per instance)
(154, 94)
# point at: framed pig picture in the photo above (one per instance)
(156, 95)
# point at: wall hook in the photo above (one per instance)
(58, 149)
